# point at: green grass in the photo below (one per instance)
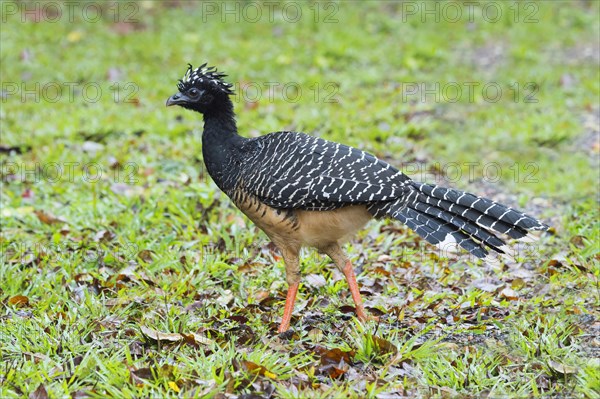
(146, 240)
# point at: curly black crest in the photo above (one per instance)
(206, 76)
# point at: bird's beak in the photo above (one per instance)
(176, 99)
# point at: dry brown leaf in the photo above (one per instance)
(334, 362)
(383, 346)
(261, 295)
(579, 241)
(197, 339)
(258, 369)
(48, 218)
(103, 236)
(19, 300)
(39, 393)
(145, 255)
(382, 271)
(347, 309)
(138, 376)
(160, 336)
(248, 267)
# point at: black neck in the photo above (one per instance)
(219, 121)
(220, 143)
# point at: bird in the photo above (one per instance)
(305, 191)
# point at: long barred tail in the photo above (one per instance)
(449, 218)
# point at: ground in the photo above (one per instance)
(125, 272)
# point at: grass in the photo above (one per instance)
(111, 226)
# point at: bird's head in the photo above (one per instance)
(203, 90)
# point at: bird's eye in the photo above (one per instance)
(193, 92)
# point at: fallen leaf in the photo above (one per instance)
(80, 394)
(315, 335)
(521, 273)
(48, 218)
(315, 280)
(19, 300)
(39, 393)
(335, 355)
(247, 267)
(382, 271)
(509, 294)
(384, 258)
(448, 346)
(383, 346)
(103, 236)
(225, 298)
(145, 255)
(197, 339)
(258, 369)
(561, 368)
(173, 386)
(334, 362)
(138, 376)
(579, 241)
(347, 309)
(486, 285)
(261, 295)
(517, 284)
(160, 336)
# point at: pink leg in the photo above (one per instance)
(289, 307)
(352, 284)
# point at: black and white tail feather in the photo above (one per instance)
(451, 218)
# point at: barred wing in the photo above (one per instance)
(298, 171)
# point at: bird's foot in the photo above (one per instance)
(364, 316)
